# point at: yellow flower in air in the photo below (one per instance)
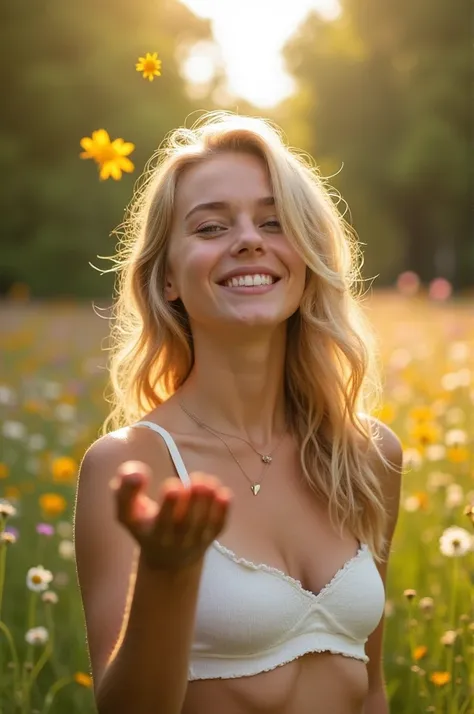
(111, 156)
(52, 504)
(96, 146)
(64, 470)
(440, 678)
(420, 652)
(83, 679)
(149, 65)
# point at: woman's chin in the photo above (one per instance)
(249, 319)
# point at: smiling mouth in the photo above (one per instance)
(250, 281)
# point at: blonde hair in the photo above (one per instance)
(332, 376)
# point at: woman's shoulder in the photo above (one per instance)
(128, 443)
(386, 439)
(385, 456)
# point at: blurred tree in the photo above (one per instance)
(67, 70)
(384, 92)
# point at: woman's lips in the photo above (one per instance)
(250, 289)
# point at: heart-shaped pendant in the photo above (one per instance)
(255, 488)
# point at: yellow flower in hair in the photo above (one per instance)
(149, 65)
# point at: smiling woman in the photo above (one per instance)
(239, 349)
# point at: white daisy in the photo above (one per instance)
(14, 430)
(50, 596)
(38, 579)
(449, 638)
(7, 538)
(51, 390)
(426, 604)
(413, 459)
(37, 636)
(6, 509)
(7, 395)
(411, 504)
(65, 412)
(64, 529)
(66, 549)
(455, 542)
(454, 495)
(459, 352)
(36, 442)
(438, 479)
(454, 437)
(435, 452)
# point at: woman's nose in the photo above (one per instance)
(248, 238)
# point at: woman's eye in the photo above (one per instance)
(213, 228)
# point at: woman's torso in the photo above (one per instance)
(287, 528)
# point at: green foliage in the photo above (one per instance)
(382, 103)
(387, 97)
(69, 69)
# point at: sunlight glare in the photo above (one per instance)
(251, 42)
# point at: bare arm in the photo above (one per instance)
(139, 614)
(376, 702)
(149, 672)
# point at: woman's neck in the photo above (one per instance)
(238, 386)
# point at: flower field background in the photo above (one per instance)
(51, 403)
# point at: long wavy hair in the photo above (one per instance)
(332, 368)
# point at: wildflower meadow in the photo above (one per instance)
(52, 405)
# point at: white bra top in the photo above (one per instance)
(252, 617)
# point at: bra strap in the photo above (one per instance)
(172, 448)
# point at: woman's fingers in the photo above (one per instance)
(198, 514)
(125, 491)
(132, 505)
(180, 525)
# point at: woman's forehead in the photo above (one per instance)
(226, 177)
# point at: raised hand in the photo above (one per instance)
(175, 531)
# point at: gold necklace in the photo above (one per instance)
(266, 458)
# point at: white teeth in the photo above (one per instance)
(249, 280)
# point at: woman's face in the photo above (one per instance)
(228, 259)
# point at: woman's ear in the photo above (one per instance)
(171, 293)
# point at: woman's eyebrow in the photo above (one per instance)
(220, 205)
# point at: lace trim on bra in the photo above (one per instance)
(313, 650)
(363, 548)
